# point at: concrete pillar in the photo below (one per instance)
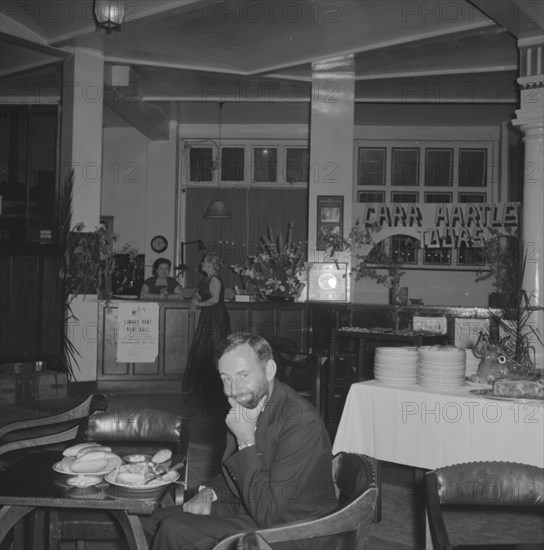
(331, 142)
(81, 136)
(530, 119)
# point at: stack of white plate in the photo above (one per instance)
(472, 362)
(396, 366)
(441, 367)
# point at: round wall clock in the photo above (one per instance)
(159, 243)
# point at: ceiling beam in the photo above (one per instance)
(146, 117)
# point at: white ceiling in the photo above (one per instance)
(189, 52)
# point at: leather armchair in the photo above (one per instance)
(486, 485)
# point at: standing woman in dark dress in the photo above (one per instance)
(201, 375)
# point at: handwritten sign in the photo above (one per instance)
(138, 330)
(443, 225)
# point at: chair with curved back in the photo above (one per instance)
(484, 486)
(348, 525)
(49, 431)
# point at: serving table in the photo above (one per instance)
(31, 484)
(359, 341)
(428, 429)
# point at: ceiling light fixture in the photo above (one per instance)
(109, 14)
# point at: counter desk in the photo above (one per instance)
(176, 330)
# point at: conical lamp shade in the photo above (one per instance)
(217, 211)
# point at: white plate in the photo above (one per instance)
(112, 464)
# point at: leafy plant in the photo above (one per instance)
(515, 316)
(276, 269)
(502, 257)
(86, 259)
(385, 268)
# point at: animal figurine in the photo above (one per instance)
(497, 363)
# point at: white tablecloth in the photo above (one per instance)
(429, 429)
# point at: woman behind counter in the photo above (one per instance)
(201, 375)
(161, 286)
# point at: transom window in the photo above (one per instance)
(247, 162)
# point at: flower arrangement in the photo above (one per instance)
(276, 270)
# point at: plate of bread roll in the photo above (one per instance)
(87, 459)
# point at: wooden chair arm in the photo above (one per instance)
(252, 541)
(337, 522)
(67, 435)
(437, 527)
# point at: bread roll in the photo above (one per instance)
(89, 466)
(66, 464)
(74, 449)
(95, 455)
(92, 449)
(130, 478)
(161, 456)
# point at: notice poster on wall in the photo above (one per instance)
(138, 332)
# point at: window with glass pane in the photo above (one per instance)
(201, 164)
(370, 196)
(232, 164)
(438, 197)
(297, 165)
(404, 249)
(472, 167)
(371, 166)
(472, 197)
(404, 197)
(470, 255)
(437, 256)
(438, 167)
(405, 166)
(265, 160)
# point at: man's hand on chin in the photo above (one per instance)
(241, 421)
(201, 503)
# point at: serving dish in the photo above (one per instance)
(488, 394)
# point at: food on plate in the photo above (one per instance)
(161, 456)
(130, 478)
(89, 466)
(93, 449)
(74, 449)
(95, 455)
(66, 463)
(132, 459)
(83, 481)
(96, 459)
(496, 363)
(526, 389)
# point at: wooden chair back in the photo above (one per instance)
(348, 525)
(67, 426)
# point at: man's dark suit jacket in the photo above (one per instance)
(287, 475)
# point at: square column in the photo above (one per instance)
(81, 136)
(331, 143)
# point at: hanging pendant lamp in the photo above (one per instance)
(218, 210)
(109, 14)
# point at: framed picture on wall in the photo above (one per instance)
(330, 218)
